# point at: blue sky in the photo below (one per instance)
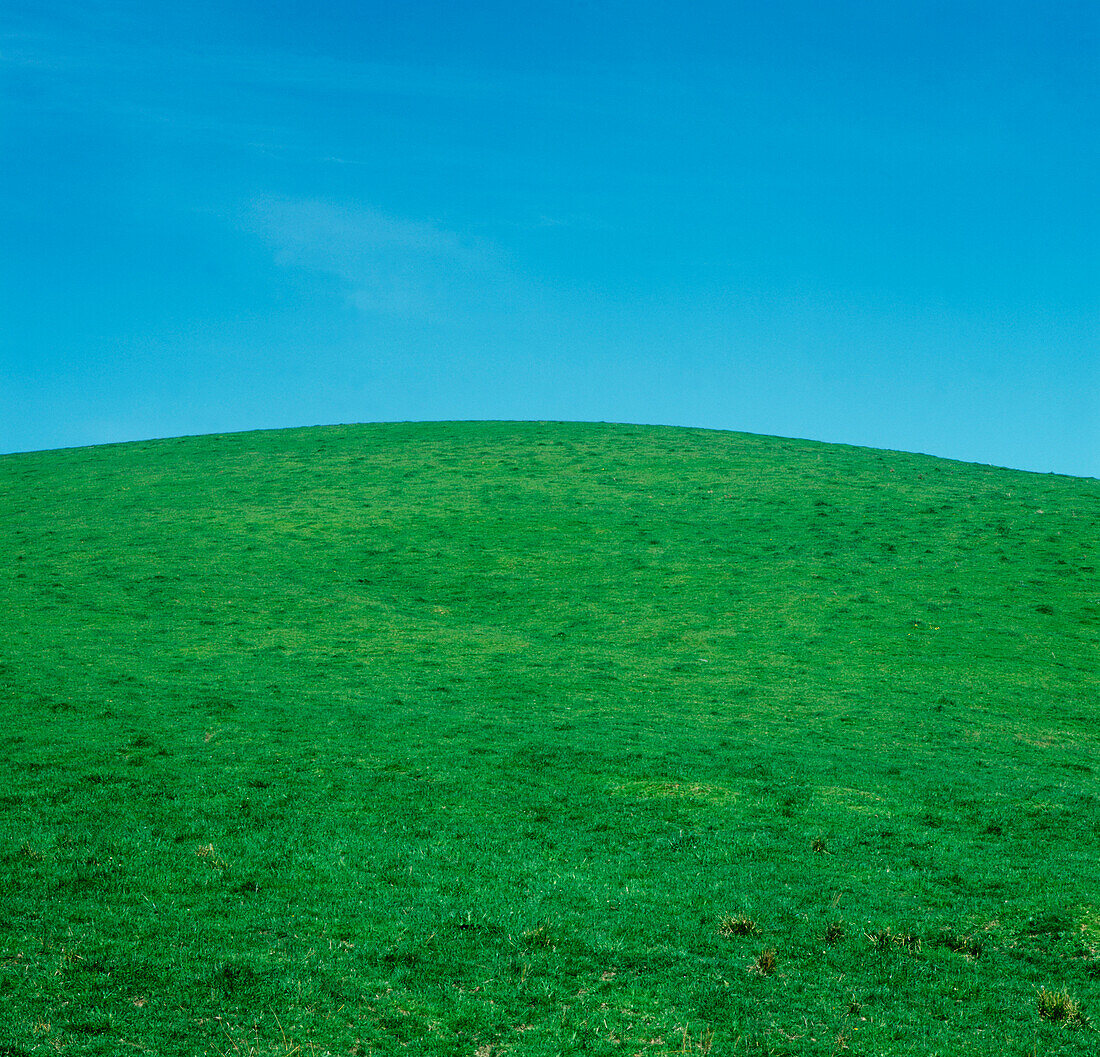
(867, 222)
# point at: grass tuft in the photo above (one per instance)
(1061, 1007)
(884, 939)
(692, 1044)
(881, 940)
(741, 925)
(970, 946)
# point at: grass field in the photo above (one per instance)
(496, 738)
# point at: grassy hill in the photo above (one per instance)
(497, 738)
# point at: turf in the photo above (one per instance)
(499, 738)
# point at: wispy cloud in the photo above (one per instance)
(271, 100)
(277, 98)
(385, 264)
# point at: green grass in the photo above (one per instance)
(485, 739)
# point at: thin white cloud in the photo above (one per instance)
(229, 96)
(79, 69)
(385, 264)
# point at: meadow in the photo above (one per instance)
(486, 739)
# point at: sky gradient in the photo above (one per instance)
(866, 222)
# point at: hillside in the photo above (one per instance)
(501, 738)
